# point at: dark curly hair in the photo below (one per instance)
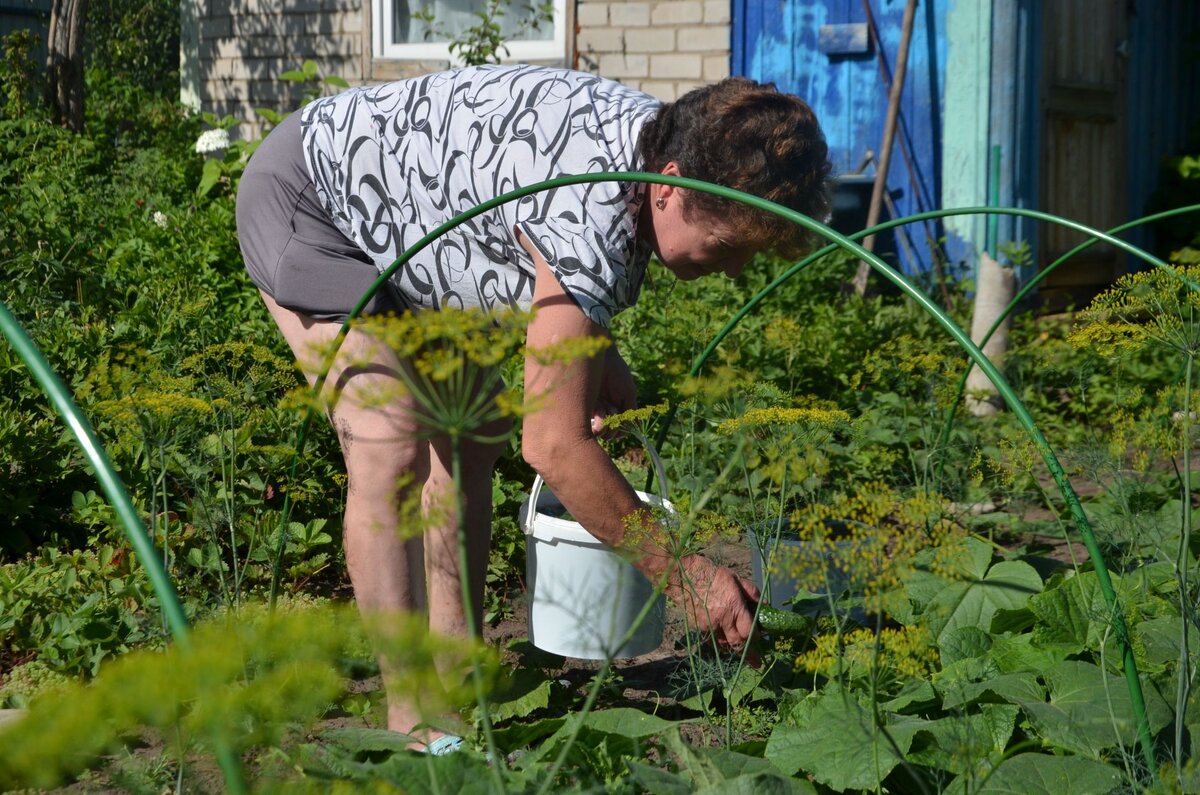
(749, 136)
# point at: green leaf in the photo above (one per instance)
(1157, 642)
(708, 767)
(715, 771)
(523, 735)
(1017, 653)
(963, 642)
(209, 177)
(527, 692)
(361, 740)
(1089, 711)
(1074, 614)
(620, 727)
(659, 781)
(959, 742)
(1008, 585)
(918, 692)
(463, 773)
(1040, 774)
(1188, 167)
(1018, 620)
(922, 587)
(760, 784)
(628, 722)
(857, 755)
(970, 681)
(271, 116)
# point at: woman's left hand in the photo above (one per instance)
(618, 390)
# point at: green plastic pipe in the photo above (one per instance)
(114, 488)
(997, 378)
(1025, 290)
(1129, 664)
(700, 360)
(110, 481)
(993, 223)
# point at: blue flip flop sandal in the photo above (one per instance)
(446, 744)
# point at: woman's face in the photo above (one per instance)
(691, 247)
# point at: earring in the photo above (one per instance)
(660, 202)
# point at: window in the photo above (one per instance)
(401, 33)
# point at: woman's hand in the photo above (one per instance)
(716, 600)
(618, 390)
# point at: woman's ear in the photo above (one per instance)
(665, 192)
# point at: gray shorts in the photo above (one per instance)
(292, 250)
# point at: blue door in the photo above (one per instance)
(830, 53)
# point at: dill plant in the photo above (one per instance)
(1160, 309)
(204, 435)
(249, 677)
(163, 420)
(772, 459)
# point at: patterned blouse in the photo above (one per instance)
(392, 161)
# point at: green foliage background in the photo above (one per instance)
(986, 665)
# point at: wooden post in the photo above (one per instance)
(64, 62)
(889, 135)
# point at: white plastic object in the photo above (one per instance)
(584, 597)
(771, 550)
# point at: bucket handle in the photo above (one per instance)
(538, 482)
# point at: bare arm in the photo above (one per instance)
(559, 443)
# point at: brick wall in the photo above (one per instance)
(245, 45)
(662, 47)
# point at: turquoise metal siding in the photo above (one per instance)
(780, 41)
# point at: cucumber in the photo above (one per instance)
(783, 623)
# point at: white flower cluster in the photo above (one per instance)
(212, 141)
(160, 219)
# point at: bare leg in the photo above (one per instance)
(477, 459)
(384, 560)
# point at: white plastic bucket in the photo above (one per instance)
(585, 597)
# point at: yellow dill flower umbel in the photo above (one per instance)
(778, 415)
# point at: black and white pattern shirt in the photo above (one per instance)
(391, 162)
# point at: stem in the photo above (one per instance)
(230, 507)
(166, 518)
(464, 584)
(1182, 563)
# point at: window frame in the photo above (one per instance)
(552, 49)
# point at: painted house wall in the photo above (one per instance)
(662, 47)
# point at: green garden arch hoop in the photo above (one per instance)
(135, 530)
